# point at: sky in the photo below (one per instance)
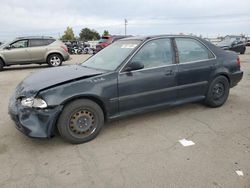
(209, 18)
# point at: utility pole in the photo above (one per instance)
(125, 23)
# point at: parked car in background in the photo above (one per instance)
(248, 41)
(107, 40)
(28, 50)
(130, 76)
(233, 43)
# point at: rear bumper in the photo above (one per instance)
(235, 78)
(66, 57)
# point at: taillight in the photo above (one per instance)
(65, 48)
(238, 62)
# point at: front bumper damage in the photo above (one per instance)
(35, 123)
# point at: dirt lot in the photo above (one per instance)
(141, 151)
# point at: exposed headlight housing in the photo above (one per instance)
(33, 102)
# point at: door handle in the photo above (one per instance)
(169, 72)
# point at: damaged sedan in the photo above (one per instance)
(130, 76)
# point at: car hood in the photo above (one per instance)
(52, 77)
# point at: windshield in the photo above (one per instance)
(112, 56)
(4, 44)
(103, 40)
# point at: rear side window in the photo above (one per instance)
(49, 41)
(40, 42)
(190, 50)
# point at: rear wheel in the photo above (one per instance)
(218, 92)
(80, 121)
(1, 65)
(54, 60)
(243, 50)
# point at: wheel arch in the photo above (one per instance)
(216, 74)
(220, 72)
(93, 98)
(2, 59)
(225, 75)
(51, 53)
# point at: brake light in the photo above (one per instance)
(238, 62)
(64, 48)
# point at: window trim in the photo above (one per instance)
(202, 43)
(162, 66)
(141, 46)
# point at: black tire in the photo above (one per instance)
(243, 51)
(218, 92)
(54, 60)
(80, 121)
(79, 52)
(1, 65)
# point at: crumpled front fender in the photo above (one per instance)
(37, 123)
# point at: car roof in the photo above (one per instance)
(233, 36)
(34, 37)
(142, 38)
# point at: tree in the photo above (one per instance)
(68, 34)
(105, 33)
(88, 34)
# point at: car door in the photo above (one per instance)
(196, 63)
(17, 53)
(152, 86)
(37, 49)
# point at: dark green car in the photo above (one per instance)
(130, 76)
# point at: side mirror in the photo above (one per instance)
(134, 65)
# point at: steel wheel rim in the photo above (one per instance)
(82, 123)
(218, 91)
(55, 61)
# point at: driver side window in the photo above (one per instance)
(155, 53)
(20, 44)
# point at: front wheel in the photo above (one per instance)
(218, 92)
(54, 60)
(80, 121)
